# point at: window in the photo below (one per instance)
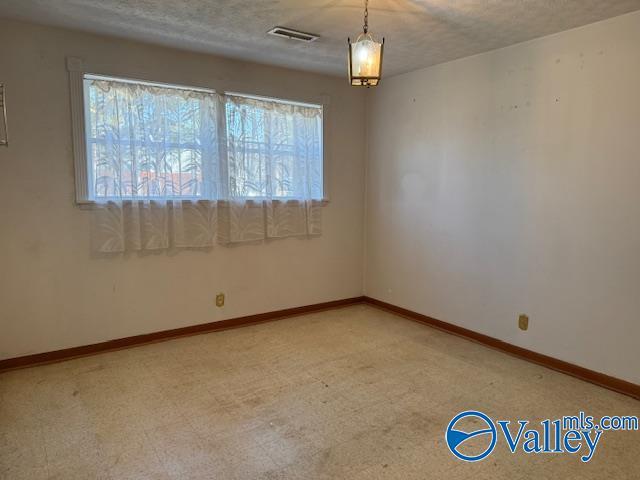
(274, 148)
(154, 141)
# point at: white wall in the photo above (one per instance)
(54, 294)
(509, 182)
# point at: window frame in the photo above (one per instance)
(79, 71)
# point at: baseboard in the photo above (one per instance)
(606, 381)
(68, 353)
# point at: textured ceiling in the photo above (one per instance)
(418, 33)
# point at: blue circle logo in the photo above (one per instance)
(456, 438)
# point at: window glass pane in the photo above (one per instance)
(148, 141)
(274, 148)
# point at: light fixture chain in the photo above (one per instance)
(366, 16)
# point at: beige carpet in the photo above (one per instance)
(352, 393)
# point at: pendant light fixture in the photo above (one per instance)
(365, 56)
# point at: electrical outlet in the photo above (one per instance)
(220, 300)
(523, 322)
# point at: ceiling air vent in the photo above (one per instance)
(293, 34)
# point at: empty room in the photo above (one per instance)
(319, 240)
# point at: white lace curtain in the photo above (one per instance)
(172, 167)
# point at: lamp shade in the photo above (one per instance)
(365, 61)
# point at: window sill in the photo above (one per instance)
(250, 202)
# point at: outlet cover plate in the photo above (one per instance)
(523, 322)
(220, 300)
